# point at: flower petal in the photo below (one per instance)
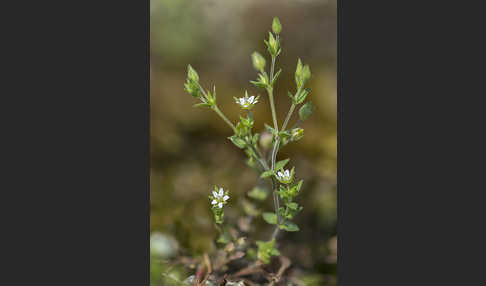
(221, 192)
(214, 202)
(220, 205)
(215, 194)
(279, 174)
(225, 198)
(251, 99)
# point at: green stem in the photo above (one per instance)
(291, 110)
(272, 106)
(216, 109)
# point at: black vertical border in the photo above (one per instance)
(340, 207)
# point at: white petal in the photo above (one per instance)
(242, 100)
(220, 205)
(221, 192)
(215, 194)
(225, 198)
(214, 202)
(287, 173)
(279, 174)
(251, 99)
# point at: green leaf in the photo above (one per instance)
(240, 143)
(266, 250)
(258, 84)
(299, 185)
(266, 174)
(202, 105)
(289, 226)
(280, 164)
(305, 111)
(275, 77)
(258, 193)
(270, 218)
(292, 206)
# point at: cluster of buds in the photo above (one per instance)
(273, 43)
(302, 74)
(193, 87)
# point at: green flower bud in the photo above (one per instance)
(258, 61)
(192, 74)
(297, 134)
(266, 140)
(276, 26)
(306, 73)
(273, 46)
(298, 72)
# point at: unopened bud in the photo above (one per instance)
(297, 133)
(276, 26)
(266, 140)
(258, 61)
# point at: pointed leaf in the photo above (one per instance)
(270, 218)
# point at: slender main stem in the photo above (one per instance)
(275, 232)
(272, 106)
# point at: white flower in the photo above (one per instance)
(283, 176)
(246, 102)
(219, 198)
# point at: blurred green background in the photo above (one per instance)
(189, 149)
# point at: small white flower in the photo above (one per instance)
(283, 176)
(246, 102)
(219, 198)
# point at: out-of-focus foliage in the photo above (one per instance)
(189, 149)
